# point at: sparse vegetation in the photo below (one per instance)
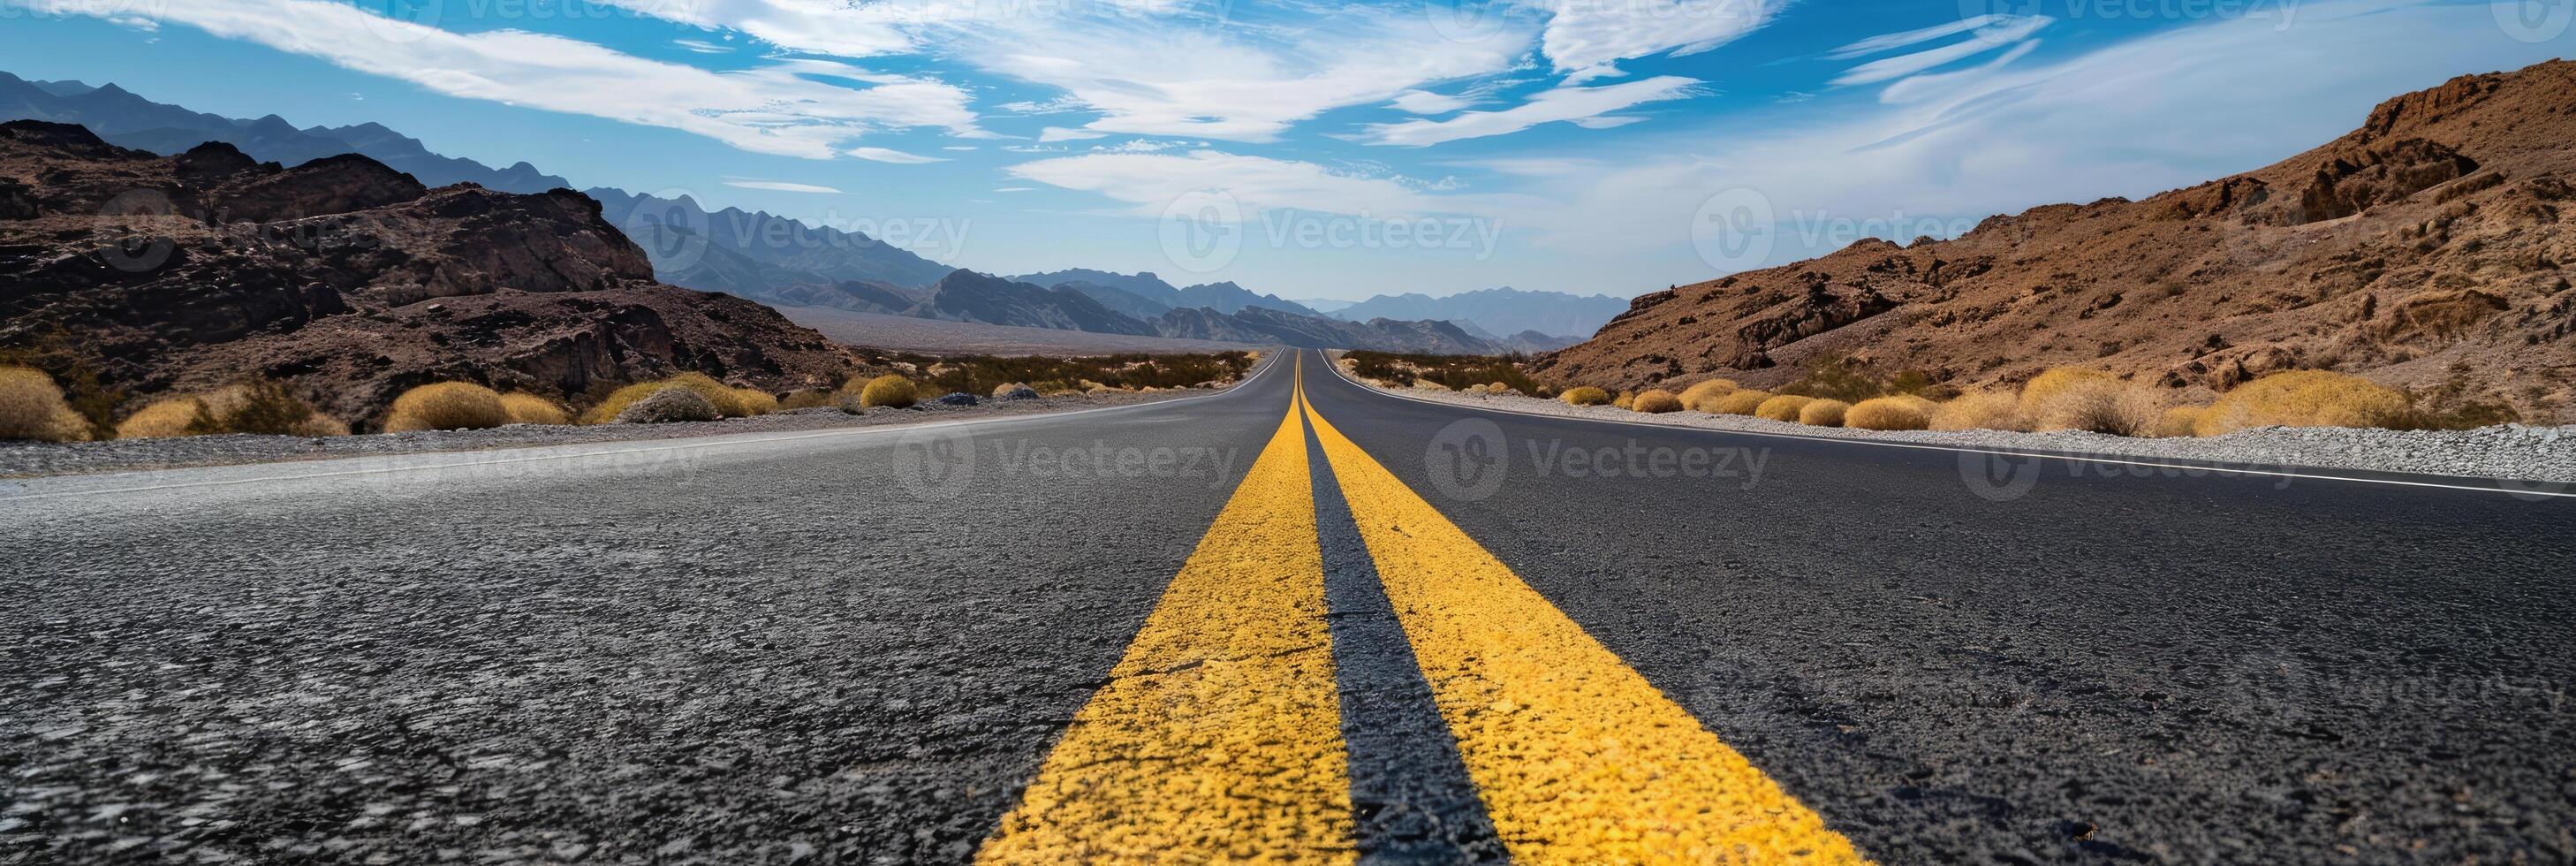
(32, 407)
(164, 419)
(1982, 410)
(756, 402)
(256, 406)
(1700, 396)
(525, 408)
(2179, 422)
(1784, 407)
(2037, 392)
(985, 374)
(1455, 372)
(1840, 378)
(670, 404)
(1625, 400)
(446, 406)
(1823, 413)
(1890, 413)
(1739, 402)
(2305, 398)
(889, 391)
(1585, 396)
(1656, 402)
(2099, 405)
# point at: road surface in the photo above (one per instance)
(1299, 619)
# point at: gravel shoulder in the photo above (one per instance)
(2510, 451)
(35, 459)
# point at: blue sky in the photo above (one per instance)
(1323, 149)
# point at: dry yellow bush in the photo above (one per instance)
(890, 391)
(1784, 407)
(1585, 395)
(2304, 398)
(2179, 422)
(318, 426)
(1890, 413)
(1656, 402)
(166, 419)
(32, 407)
(755, 402)
(1739, 402)
(2055, 379)
(1625, 400)
(1983, 410)
(727, 400)
(1823, 413)
(2100, 406)
(525, 408)
(617, 401)
(1697, 397)
(446, 406)
(1428, 385)
(1499, 389)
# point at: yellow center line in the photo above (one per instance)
(1577, 757)
(1218, 737)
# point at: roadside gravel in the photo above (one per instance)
(30, 459)
(2510, 451)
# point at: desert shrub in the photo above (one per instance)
(1823, 413)
(1499, 388)
(1016, 391)
(446, 406)
(1584, 395)
(807, 398)
(1841, 378)
(890, 391)
(755, 402)
(33, 407)
(670, 404)
(727, 399)
(2101, 406)
(1784, 407)
(1890, 413)
(318, 425)
(1428, 385)
(165, 419)
(2179, 422)
(606, 410)
(1625, 400)
(525, 408)
(1697, 397)
(2305, 398)
(2048, 383)
(1982, 410)
(1656, 402)
(1739, 402)
(255, 406)
(1455, 372)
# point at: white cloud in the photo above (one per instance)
(1057, 133)
(702, 46)
(790, 107)
(1015, 189)
(1583, 34)
(777, 185)
(1994, 32)
(1427, 102)
(1151, 183)
(881, 154)
(1582, 105)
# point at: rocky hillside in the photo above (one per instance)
(2429, 246)
(344, 278)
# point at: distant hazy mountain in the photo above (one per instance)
(1325, 305)
(127, 120)
(1223, 297)
(1083, 305)
(1500, 311)
(769, 254)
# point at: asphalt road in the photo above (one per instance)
(1231, 627)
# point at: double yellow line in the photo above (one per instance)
(1219, 739)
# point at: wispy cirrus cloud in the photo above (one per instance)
(1149, 183)
(792, 107)
(1987, 33)
(777, 185)
(887, 154)
(1580, 105)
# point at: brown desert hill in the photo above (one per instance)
(344, 279)
(2427, 249)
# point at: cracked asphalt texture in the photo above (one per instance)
(816, 650)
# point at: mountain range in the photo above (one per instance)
(779, 261)
(1501, 311)
(2429, 248)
